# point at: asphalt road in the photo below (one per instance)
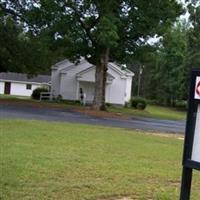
(147, 124)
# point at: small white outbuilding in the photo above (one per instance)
(20, 84)
(67, 79)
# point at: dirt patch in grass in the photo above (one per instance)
(132, 197)
(102, 114)
(178, 136)
(122, 198)
(174, 183)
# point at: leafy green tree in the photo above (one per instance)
(170, 74)
(97, 30)
(142, 63)
(170, 62)
(194, 36)
(192, 58)
(21, 51)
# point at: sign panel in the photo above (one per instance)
(197, 88)
(191, 156)
(196, 143)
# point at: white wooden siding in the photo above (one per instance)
(128, 89)
(55, 82)
(68, 87)
(117, 89)
(2, 87)
(19, 88)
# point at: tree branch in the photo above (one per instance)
(69, 4)
(10, 11)
(17, 15)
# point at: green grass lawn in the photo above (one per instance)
(8, 96)
(41, 160)
(153, 111)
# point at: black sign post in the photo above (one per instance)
(191, 155)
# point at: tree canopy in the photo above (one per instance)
(97, 30)
(21, 51)
(168, 67)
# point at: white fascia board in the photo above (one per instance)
(85, 71)
(115, 68)
(130, 75)
(54, 67)
(24, 82)
(108, 81)
(60, 63)
(78, 76)
(63, 72)
(129, 72)
(125, 72)
(123, 77)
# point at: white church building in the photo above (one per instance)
(68, 78)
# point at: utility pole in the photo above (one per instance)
(141, 67)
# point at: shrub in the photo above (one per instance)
(141, 106)
(134, 103)
(152, 101)
(139, 103)
(108, 104)
(59, 97)
(181, 105)
(37, 91)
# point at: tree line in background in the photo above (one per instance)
(36, 34)
(167, 64)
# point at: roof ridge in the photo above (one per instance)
(67, 68)
(21, 77)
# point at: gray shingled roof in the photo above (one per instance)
(24, 77)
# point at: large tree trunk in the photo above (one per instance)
(100, 81)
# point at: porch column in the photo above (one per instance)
(77, 90)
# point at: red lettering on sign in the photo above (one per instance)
(198, 88)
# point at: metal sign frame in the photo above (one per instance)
(190, 126)
(188, 163)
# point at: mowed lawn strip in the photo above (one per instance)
(152, 111)
(41, 160)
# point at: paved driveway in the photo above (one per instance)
(147, 124)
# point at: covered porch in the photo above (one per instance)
(86, 82)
